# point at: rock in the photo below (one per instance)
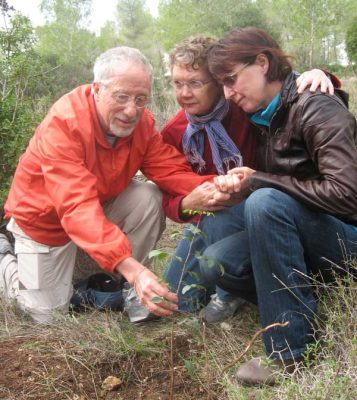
(111, 383)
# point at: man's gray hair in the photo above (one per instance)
(107, 64)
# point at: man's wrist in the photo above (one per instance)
(129, 268)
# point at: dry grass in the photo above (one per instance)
(73, 357)
(349, 84)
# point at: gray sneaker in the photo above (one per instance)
(218, 310)
(135, 310)
(259, 371)
(5, 246)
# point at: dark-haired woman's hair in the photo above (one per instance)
(242, 46)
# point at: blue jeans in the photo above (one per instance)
(184, 271)
(286, 243)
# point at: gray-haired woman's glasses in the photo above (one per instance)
(192, 85)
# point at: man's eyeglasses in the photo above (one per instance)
(123, 99)
(230, 80)
(192, 85)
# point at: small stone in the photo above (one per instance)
(225, 326)
(111, 383)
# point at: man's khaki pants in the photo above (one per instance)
(39, 277)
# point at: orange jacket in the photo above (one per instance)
(69, 171)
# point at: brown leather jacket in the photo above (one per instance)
(310, 151)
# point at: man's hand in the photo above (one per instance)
(316, 78)
(155, 296)
(199, 199)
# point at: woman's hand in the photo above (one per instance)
(315, 78)
(233, 187)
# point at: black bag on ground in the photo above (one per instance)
(102, 291)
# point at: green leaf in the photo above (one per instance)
(198, 255)
(221, 268)
(190, 367)
(195, 274)
(158, 254)
(186, 288)
(157, 299)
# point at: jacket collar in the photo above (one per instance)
(289, 92)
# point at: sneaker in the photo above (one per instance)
(135, 310)
(218, 310)
(259, 371)
(5, 246)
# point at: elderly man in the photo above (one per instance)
(73, 187)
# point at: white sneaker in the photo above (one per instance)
(5, 246)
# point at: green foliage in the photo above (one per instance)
(188, 211)
(136, 24)
(312, 30)
(137, 28)
(158, 254)
(16, 127)
(108, 37)
(21, 77)
(351, 40)
(186, 288)
(68, 47)
(157, 299)
(190, 367)
(182, 18)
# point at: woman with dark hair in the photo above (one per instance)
(300, 204)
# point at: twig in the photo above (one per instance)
(207, 370)
(172, 373)
(250, 343)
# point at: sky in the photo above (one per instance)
(103, 10)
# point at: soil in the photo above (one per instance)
(29, 372)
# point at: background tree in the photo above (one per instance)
(109, 36)
(137, 28)
(22, 73)
(312, 30)
(351, 40)
(66, 44)
(179, 19)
